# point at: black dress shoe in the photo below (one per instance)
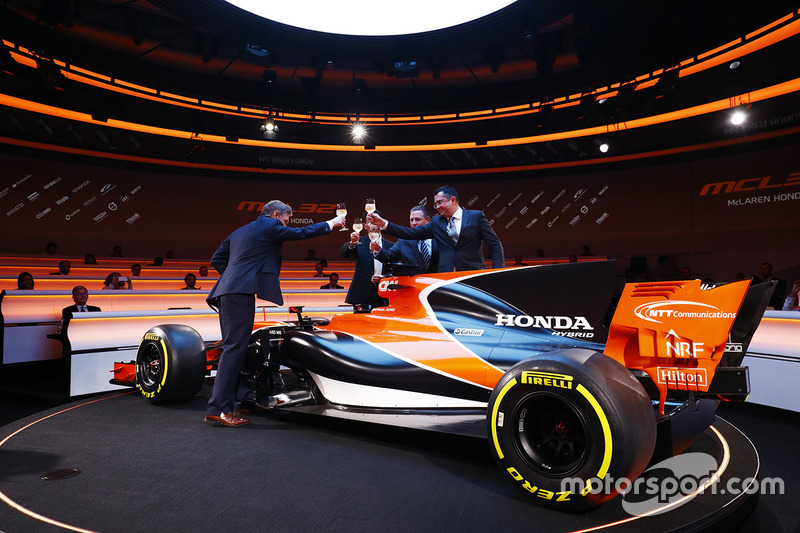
(227, 420)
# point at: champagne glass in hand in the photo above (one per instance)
(369, 205)
(374, 232)
(341, 210)
(358, 225)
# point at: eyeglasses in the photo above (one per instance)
(438, 203)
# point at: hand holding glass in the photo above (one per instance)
(369, 205)
(341, 211)
(358, 225)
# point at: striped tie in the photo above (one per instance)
(426, 254)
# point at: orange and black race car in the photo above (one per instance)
(565, 380)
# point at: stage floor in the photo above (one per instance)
(123, 465)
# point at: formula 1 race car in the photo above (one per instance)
(528, 357)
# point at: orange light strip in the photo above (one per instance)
(703, 109)
(701, 63)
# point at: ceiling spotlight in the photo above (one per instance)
(269, 129)
(358, 131)
(734, 65)
(603, 147)
(738, 117)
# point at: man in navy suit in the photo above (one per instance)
(458, 232)
(249, 264)
(421, 256)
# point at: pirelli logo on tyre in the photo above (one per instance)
(546, 379)
(151, 337)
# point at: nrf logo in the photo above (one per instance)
(653, 311)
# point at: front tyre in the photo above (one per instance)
(170, 364)
(569, 426)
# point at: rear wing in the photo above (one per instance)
(677, 332)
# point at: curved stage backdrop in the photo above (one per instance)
(739, 209)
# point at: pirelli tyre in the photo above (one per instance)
(571, 427)
(170, 364)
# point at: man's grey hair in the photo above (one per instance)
(275, 205)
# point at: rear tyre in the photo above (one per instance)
(569, 426)
(170, 364)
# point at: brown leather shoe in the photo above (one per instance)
(228, 420)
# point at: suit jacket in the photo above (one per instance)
(408, 252)
(249, 259)
(362, 290)
(467, 254)
(74, 309)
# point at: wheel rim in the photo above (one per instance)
(149, 370)
(552, 434)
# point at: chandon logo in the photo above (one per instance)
(653, 311)
(550, 322)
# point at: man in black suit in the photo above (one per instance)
(458, 232)
(421, 256)
(80, 295)
(363, 291)
(333, 282)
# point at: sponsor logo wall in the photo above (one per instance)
(744, 201)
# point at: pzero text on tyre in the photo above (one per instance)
(170, 364)
(564, 424)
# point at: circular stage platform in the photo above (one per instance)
(119, 464)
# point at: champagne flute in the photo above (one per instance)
(369, 205)
(341, 211)
(374, 232)
(358, 225)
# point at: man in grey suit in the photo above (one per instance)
(420, 256)
(458, 232)
(249, 264)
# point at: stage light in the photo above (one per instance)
(269, 129)
(738, 117)
(603, 147)
(359, 131)
(734, 65)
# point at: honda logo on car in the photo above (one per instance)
(550, 322)
(652, 311)
(561, 381)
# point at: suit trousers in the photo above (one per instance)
(236, 314)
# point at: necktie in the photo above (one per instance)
(426, 254)
(452, 232)
(82, 309)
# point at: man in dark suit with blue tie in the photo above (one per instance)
(420, 256)
(249, 264)
(458, 232)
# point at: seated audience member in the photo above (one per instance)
(80, 295)
(518, 262)
(25, 281)
(50, 248)
(791, 302)
(585, 250)
(136, 269)
(333, 282)
(686, 273)
(115, 282)
(573, 258)
(89, 259)
(117, 251)
(191, 282)
(157, 261)
(203, 270)
(319, 268)
(63, 268)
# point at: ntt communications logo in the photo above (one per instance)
(653, 311)
(672, 483)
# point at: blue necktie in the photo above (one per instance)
(426, 254)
